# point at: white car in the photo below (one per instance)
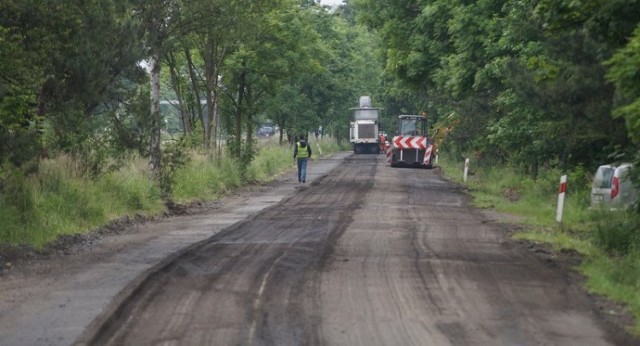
(612, 187)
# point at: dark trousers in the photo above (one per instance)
(302, 170)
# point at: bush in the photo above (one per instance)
(271, 160)
(617, 232)
(62, 200)
(205, 177)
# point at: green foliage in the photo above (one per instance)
(62, 198)
(128, 125)
(624, 71)
(617, 278)
(206, 178)
(295, 64)
(59, 200)
(18, 93)
(16, 194)
(525, 79)
(128, 192)
(54, 76)
(174, 157)
(270, 161)
(507, 189)
(617, 232)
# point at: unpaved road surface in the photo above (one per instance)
(363, 255)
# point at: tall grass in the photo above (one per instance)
(61, 200)
(610, 241)
(506, 189)
(617, 278)
(271, 160)
(205, 177)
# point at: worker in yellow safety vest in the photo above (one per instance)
(302, 153)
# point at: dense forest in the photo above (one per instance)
(86, 78)
(533, 83)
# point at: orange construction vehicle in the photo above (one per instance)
(411, 147)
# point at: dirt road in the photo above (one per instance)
(367, 255)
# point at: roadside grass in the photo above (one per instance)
(205, 177)
(59, 200)
(272, 160)
(608, 240)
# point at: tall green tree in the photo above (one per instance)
(276, 50)
(524, 78)
(159, 18)
(624, 72)
(70, 75)
(19, 85)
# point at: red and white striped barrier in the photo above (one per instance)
(410, 142)
(427, 155)
(561, 193)
(389, 152)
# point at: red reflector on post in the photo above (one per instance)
(563, 187)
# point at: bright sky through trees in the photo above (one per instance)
(331, 2)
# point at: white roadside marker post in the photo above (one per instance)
(466, 170)
(561, 193)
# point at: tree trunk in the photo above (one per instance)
(194, 84)
(213, 56)
(249, 122)
(211, 80)
(238, 117)
(175, 82)
(155, 160)
(281, 132)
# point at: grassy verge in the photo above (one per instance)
(609, 241)
(59, 200)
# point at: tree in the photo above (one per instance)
(19, 84)
(521, 76)
(275, 51)
(69, 77)
(157, 18)
(624, 72)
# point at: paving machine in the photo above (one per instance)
(411, 147)
(363, 132)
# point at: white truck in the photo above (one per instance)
(363, 132)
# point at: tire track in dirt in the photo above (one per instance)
(248, 284)
(418, 266)
(368, 255)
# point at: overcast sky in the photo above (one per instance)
(331, 2)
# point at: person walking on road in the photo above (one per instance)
(302, 152)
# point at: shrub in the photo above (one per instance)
(617, 232)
